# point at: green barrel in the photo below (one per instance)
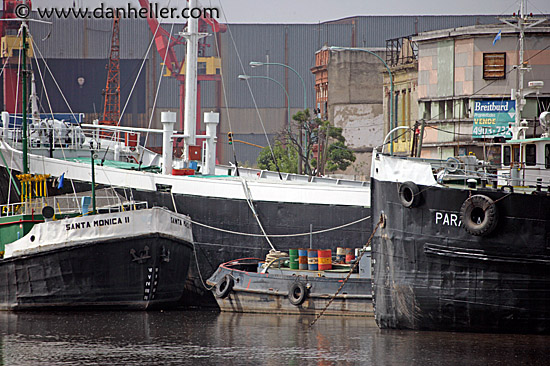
(293, 258)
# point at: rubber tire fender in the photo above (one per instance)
(224, 287)
(297, 293)
(490, 215)
(409, 194)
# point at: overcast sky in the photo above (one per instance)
(312, 11)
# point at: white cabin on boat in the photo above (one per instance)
(525, 160)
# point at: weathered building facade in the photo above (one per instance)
(459, 67)
(349, 94)
(401, 106)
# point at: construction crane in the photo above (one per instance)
(209, 67)
(111, 108)
(11, 47)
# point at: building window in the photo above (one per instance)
(530, 154)
(427, 111)
(547, 156)
(449, 110)
(494, 66)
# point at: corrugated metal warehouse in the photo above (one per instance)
(76, 48)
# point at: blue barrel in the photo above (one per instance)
(312, 259)
(302, 258)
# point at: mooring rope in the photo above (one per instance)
(279, 235)
(349, 274)
(251, 205)
(208, 288)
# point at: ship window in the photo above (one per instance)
(515, 154)
(506, 156)
(494, 66)
(547, 156)
(530, 154)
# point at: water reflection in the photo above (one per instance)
(211, 338)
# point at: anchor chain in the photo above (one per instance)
(349, 274)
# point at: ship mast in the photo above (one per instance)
(24, 86)
(192, 35)
(522, 67)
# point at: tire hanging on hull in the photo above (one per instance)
(297, 294)
(479, 215)
(224, 287)
(409, 194)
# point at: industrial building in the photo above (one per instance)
(76, 52)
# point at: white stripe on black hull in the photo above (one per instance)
(429, 273)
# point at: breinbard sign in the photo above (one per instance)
(492, 118)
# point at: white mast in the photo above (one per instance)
(34, 101)
(520, 67)
(522, 23)
(190, 114)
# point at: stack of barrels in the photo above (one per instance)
(345, 255)
(319, 259)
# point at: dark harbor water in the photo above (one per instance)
(212, 338)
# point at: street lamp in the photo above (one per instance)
(391, 84)
(248, 77)
(257, 63)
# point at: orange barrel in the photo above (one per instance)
(312, 259)
(293, 258)
(325, 259)
(350, 255)
(302, 258)
(340, 255)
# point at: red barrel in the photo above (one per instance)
(350, 255)
(325, 259)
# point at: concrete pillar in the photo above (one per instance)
(168, 119)
(211, 120)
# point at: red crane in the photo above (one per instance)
(165, 43)
(111, 109)
(12, 81)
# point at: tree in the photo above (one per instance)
(288, 161)
(310, 145)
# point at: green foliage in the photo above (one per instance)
(286, 158)
(339, 157)
(295, 146)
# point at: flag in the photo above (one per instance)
(497, 37)
(61, 179)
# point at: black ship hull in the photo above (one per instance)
(429, 273)
(138, 273)
(213, 247)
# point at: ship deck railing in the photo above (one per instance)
(65, 205)
(71, 137)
